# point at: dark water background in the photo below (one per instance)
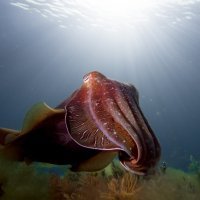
(44, 59)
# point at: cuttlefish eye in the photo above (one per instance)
(86, 78)
(95, 76)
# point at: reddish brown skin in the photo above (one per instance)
(102, 115)
(105, 115)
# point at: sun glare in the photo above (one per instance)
(119, 13)
(118, 8)
(106, 14)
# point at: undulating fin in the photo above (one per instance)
(97, 162)
(7, 149)
(38, 113)
(12, 152)
(8, 135)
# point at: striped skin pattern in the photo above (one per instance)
(105, 115)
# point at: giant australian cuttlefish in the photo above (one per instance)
(98, 121)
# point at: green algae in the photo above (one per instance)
(21, 182)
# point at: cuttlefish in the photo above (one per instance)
(99, 121)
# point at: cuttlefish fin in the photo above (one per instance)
(7, 136)
(97, 162)
(11, 146)
(37, 114)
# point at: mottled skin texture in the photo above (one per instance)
(99, 120)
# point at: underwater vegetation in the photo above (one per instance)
(21, 182)
(173, 185)
(194, 167)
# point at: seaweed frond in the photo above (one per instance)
(117, 171)
(122, 189)
(20, 182)
(62, 188)
(91, 186)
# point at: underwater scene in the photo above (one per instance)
(99, 100)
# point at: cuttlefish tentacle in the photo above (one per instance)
(120, 112)
(150, 146)
(115, 127)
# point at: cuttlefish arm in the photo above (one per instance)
(105, 115)
(148, 149)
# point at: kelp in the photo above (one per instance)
(194, 167)
(124, 188)
(21, 182)
(173, 184)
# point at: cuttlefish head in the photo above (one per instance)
(105, 115)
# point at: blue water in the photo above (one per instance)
(47, 47)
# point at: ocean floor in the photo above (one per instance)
(21, 182)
